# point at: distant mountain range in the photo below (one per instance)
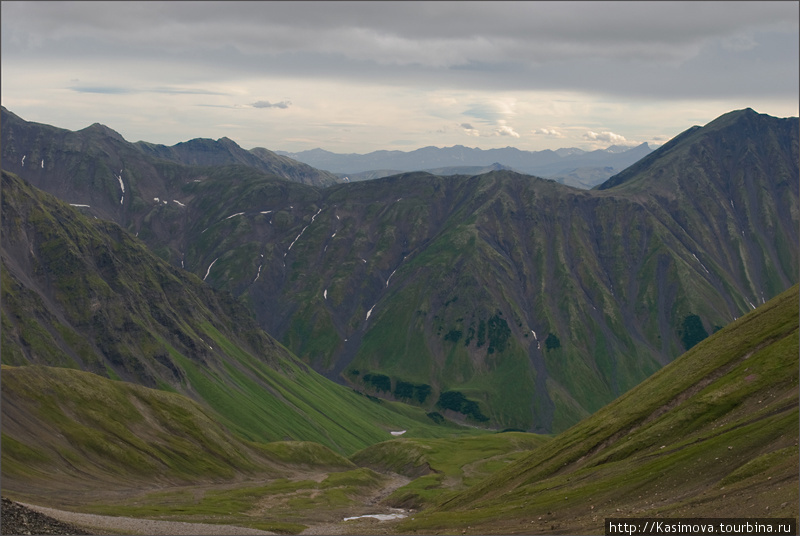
(501, 299)
(570, 166)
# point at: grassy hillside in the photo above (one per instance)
(442, 467)
(714, 433)
(83, 294)
(67, 428)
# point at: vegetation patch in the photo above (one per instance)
(692, 331)
(552, 342)
(456, 401)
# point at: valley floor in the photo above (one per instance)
(313, 520)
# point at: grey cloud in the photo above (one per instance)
(416, 30)
(488, 112)
(267, 104)
(104, 90)
(653, 49)
(116, 90)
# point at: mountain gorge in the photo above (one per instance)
(500, 299)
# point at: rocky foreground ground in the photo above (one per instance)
(18, 519)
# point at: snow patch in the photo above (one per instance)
(390, 277)
(209, 268)
(258, 274)
(304, 228)
(23, 160)
(334, 234)
(733, 207)
(121, 186)
(369, 312)
(234, 215)
(534, 335)
(379, 517)
(265, 211)
(701, 264)
(401, 432)
(178, 202)
(325, 294)
(42, 163)
(157, 200)
(76, 205)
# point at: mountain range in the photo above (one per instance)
(571, 166)
(141, 370)
(500, 299)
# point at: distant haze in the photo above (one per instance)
(365, 76)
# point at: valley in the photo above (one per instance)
(204, 334)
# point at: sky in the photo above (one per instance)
(355, 77)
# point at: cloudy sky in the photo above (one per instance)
(363, 76)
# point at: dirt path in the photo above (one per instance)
(131, 525)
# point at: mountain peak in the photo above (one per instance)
(103, 130)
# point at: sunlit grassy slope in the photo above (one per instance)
(714, 433)
(65, 425)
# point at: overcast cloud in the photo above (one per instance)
(361, 76)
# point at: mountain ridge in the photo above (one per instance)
(497, 288)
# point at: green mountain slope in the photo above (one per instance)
(501, 299)
(713, 434)
(64, 429)
(81, 293)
